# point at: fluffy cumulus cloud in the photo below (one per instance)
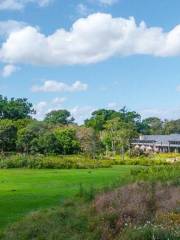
(90, 40)
(20, 4)
(54, 86)
(8, 70)
(7, 27)
(43, 107)
(80, 113)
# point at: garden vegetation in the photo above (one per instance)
(141, 203)
(146, 209)
(24, 141)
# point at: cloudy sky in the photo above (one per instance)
(87, 54)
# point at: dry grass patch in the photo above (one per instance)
(135, 204)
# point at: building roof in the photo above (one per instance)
(161, 139)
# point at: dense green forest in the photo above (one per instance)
(106, 130)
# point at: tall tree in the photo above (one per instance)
(8, 134)
(67, 141)
(154, 125)
(172, 126)
(119, 134)
(89, 140)
(59, 117)
(15, 109)
(27, 138)
(100, 117)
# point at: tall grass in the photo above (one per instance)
(141, 211)
(52, 161)
(170, 173)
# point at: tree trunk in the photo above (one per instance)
(122, 153)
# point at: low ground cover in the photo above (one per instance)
(146, 210)
(26, 190)
(53, 161)
(78, 161)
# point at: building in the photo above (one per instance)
(158, 143)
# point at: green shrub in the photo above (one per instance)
(87, 194)
(158, 173)
(52, 161)
(104, 218)
(150, 232)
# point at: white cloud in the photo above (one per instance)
(107, 2)
(20, 4)
(90, 40)
(43, 3)
(82, 9)
(54, 86)
(58, 100)
(8, 70)
(81, 113)
(10, 5)
(113, 105)
(43, 107)
(7, 27)
(178, 88)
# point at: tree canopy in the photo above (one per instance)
(100, 117)
(15, 109)
(106, 130)
(59, 116)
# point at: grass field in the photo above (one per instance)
(25, 190)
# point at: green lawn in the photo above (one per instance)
(25, 190)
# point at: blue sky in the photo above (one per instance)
(84, 55)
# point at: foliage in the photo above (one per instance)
(48, 143)
(66, 139)
(150, 232)
(135, 206)
(117, 135)
(8, 134)
(172, 126)
(89, 141)
(107, 132)
(40, 137)
(59, 117)
(27, 138)
(54, 162)
(100, 117)
(26, 190)
(110, 216)
(152, 125)
(158, 173)
(136, 152)
(15, 109)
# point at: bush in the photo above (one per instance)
(150, 232)
(122, 214)
(56, 162)
(131, 209)
(158, 173)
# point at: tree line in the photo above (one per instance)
(106, 131)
